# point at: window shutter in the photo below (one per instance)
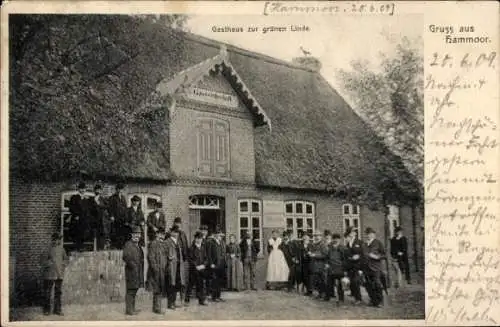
(205, 140)
(221, 157)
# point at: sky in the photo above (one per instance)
(335, 41)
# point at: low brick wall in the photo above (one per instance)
(95, 277)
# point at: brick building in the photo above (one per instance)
(220, 135)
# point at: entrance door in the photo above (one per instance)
(212, 219)
(206, 210)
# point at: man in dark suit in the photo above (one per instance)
(399, 253)
(135, 217)
(78, 207)
(354, 260)
(155, 221)
(175, 268)
(184, 245)
(318, 253)
(117, 205)
(290, 252)
(134, 270)
(336, 268)
(374, 253)
(157, 264)
(100, 221)
(197, 268)
(249, 250)
(305, 263)
(54, 263)
(216, 261)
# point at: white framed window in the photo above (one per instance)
(66, 215)
(213, 148)
(299, 217)
(393, 217)
(351, 217)
(250, 219)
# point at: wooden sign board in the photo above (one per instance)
(274, 214)
(213, 97)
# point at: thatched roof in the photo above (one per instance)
(78, 83)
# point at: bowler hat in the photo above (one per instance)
(56, 236)
(369, 230)
(177, 220)
(398, 229)
(327, 232)
(136, 230)
(135, 198)
(81, 185)
(198, 235)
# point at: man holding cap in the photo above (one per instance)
(134, 269)
(53, 265)
(374, 253)
(354, 257)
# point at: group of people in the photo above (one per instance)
(324, 264)
(108, 220)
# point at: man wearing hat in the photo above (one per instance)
(134, 269)
(155, 221)
(399, 254)
(216, 263)
(135, 217)
(354, 259)
(184, 246)
(100, 218)
(54, 263)
(175, 268)
(78, 207)
(157, 264)
(336, 268)
(318, 253)
(290, 252)
(197, 267)
(249, 249)
(118, 213)
(374, 254)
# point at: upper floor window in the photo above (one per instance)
(250, 219)
(350, 217)
(393, 217)
(299, 217)
(213, 148)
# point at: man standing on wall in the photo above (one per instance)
(249, 251)
(54, 263)
(118, 215)
(135, 217)
(78, 207)
(374, 253)
(354, 257)
(134, 270)
(155, 221)
(100, 218)
(399, 253)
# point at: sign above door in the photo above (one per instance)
(212, 97)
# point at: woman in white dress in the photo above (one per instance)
(277, 268)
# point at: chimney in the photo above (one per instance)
(308, 62)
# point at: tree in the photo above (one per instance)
(390, 100)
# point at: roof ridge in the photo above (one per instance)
(233, 48)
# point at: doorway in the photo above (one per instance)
(212, 219)
(206, 210)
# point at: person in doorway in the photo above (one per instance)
(290, 251)
(133, 256)
(157, 263)
(197, 268)
(336, 268)
(234, 266)
(277, 268)
(54, 263)
(249, 249)
(318, 253)
(175, 268)
(216, 261)
(79, 210)
(155, 221)
(354, 260)
(399, 254)
(118, 215)
(374, 253)
(98, 207)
